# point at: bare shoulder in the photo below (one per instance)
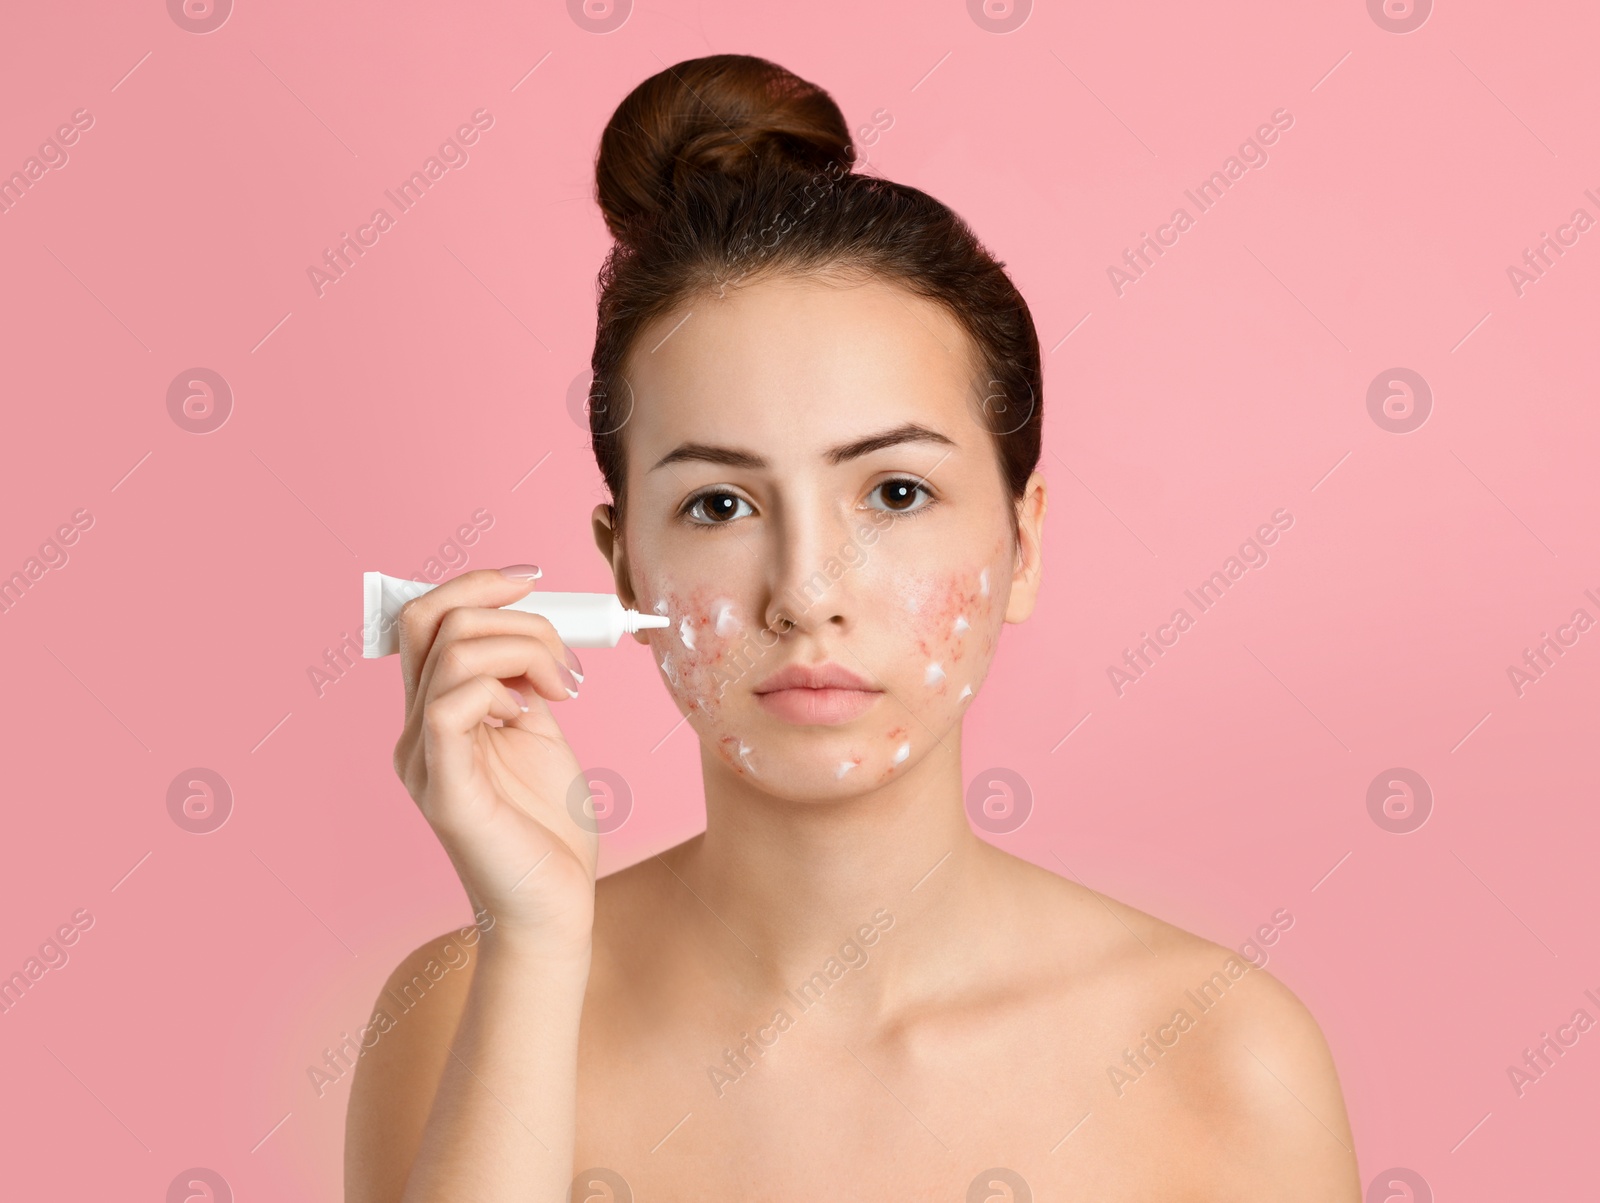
(404, 1048)
(1266, 1079)
(1217, 1044)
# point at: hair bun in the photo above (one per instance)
(724, 114)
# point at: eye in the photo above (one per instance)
(904, 489)
(720, 508)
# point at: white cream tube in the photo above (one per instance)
(581, 619)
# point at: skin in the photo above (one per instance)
(979, 1003)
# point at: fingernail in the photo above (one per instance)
(573, 662)
(567, 679)
(522, 572)
(522, 704)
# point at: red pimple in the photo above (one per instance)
(896, 733)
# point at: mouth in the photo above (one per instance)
(818, 707)
(816, 695)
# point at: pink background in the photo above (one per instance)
(369, 423)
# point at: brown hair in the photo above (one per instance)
(723, 167)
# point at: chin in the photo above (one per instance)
(821, 761)
(801, 774)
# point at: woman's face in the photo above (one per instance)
(768, 519)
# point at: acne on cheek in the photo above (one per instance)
(710, 646)
(954, 629)
(952, 620)
(706, 648)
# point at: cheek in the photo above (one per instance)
(944, 647)
(938, 640)
(953, 630)
(710, 646)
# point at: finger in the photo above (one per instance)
(449, 728)
(502, 656)
(467, 624)
(537, 719)
(419, 618)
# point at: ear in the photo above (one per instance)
(609, 540)
(1029, 568)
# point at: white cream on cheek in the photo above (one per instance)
(704, 653)
(701, 656)
(944, 634)
(669, 661)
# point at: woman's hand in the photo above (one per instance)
(498, 797)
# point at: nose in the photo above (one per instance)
(809, 587)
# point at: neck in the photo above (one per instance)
(784, 885)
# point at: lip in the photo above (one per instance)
(816, 695)
(815, 676)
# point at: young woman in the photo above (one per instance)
(818, 415)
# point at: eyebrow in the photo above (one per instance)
(735, 457)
